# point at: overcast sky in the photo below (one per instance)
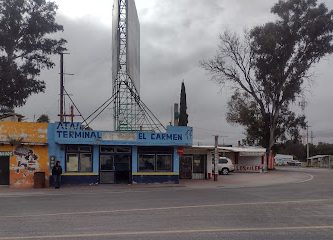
(175, 36)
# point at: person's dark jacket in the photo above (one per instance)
(57, 170)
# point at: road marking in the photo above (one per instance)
(177, 231)
(310, 178)
(167, 208)
(307, 180)
(22, 195)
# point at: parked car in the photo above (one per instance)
(225, 166)
(294, 163)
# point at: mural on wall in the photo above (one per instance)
(27, 161)
(23, 164)
(27, 143)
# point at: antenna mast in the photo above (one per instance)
(129, 112)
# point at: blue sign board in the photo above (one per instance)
(75, 133)
(179, 135)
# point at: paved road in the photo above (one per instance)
(302, 210)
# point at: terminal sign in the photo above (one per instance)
(160, 136)
(75, 131)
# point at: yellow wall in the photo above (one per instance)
(27, 143)
(25, 132)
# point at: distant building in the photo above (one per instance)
(11, 117)
(322, 161)
(197, 161)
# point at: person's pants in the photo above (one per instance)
(57, 181)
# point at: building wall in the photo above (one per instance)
(26, 143)
(61, 135)
(58, 153)
(321, 161)
(249, 164)
(209, 164)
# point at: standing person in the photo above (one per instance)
(56, 173)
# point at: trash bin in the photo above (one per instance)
(39, 180)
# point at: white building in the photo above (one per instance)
(323, 161)
(196, 163)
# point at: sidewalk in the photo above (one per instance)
(233, 180)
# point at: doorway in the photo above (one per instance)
(122, 166)
(115, 165)
(4, 170)
(186, 167)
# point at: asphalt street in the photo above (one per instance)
(299, 210)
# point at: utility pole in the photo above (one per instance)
(307, 142)
(216, 158)
(61, 110)
(62, 114)
(72, 114)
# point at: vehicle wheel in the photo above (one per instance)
(225, 171)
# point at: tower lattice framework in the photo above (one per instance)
(129, 112)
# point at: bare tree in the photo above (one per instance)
(269, 64)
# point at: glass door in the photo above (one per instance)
(107, 169)
(186, 167)
(115, 164)
(122, 164)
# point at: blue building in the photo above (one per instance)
(89, 156)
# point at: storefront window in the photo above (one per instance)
(123, 150)
(106, 162)
(107, 149)
(163, 162)
(72, 148)
(72, 163)
(85, 149)
(155, 159)
(146, 162)
(78, 159)
(85, 162)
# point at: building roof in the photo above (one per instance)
(283, 156)
(318, 156)
(7, 115)
(243, 151)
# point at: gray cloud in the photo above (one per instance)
(175, 36)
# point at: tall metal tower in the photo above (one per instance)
(129, 112)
